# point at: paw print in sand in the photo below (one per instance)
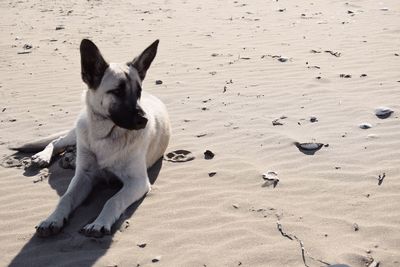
(179, 156)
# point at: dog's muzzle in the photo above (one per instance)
(141, 123)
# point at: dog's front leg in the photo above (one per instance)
(79, 188)
(135, 186)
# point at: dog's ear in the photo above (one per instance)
(93, 64)
(143, 61)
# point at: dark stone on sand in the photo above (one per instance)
(313, 119)
(156, 259)
(208, 154)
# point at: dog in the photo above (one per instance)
(122, 130)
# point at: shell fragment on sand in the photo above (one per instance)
(283, 59)
(383, 112)
(309, 148)
(365, 125)
(142, 245)
(24, 52)
(270, 175)
(27, 46)
(271, 178)
(276, 122)
(380, 178)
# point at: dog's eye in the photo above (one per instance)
(120, 92)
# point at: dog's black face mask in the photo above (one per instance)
(125, 111)
(128, 119)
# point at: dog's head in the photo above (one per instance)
(115, 89)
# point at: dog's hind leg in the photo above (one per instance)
(43, 158)
(38, 145)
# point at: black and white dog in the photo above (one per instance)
(123, 130)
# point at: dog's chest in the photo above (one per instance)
(111, 153)
(114, 148)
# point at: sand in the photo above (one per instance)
(229, 68)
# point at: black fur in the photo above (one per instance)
(93, 64)
(143, 61)
(125, 112)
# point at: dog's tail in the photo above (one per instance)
(40, 144)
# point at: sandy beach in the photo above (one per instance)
(243, 79)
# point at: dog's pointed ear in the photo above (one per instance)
(93, 64)
(143, 61)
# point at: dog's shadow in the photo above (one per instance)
(70, 248)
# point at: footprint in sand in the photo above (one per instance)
(179, 156)
(10, 162)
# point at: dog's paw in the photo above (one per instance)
(96, 230)
(41, 159)
(49, 227)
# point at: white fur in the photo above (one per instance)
(102, 146)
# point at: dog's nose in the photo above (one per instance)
(141, 123)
